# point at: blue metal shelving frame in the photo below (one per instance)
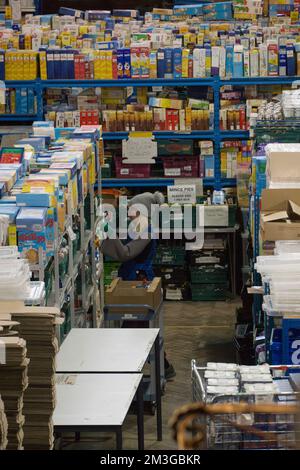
(217, 135)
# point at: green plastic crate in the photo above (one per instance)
(110, 272)
(209, 292)
(205, 274)
(170, 256)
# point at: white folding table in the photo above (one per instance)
(97, 403)
(112, 351)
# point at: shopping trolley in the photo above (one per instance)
(239, 421)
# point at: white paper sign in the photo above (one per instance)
(182, 194)
(216, 216)
(198, 182)
(136, 148)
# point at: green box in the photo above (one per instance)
(175, 147)
(106, 171)
(209, 292)
(110, 272)
(173, 255)
(205, 274)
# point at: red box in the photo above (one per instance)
(124, 170)
(185, 166)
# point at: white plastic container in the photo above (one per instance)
(286, 246)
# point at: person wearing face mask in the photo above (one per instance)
(137, 252)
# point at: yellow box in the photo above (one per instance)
(12, 235)
(153, 64)
(43, 65)
(8, 65)
(108, 64)
(33, 66)
(185, 63)
(188, 119)
(65, 39)
(28, 41)
(26, 65)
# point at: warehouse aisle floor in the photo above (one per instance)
(193, 330)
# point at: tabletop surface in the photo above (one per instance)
(94, 399)
(106, 350)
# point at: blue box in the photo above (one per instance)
(161, 63)
(209, 162)
(191, 9)
(11, 210)
(71, 12)
(168, 63)
(229, 61)
(35, 199)
(282, 61)
(64, 132)
(31, 101)
(24, 103)
(38, 143)
(276, 346)
(31, 229)
(291, 60)
(177, 63)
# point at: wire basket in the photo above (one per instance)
(240, 421)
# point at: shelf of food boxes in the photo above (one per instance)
(47, 197)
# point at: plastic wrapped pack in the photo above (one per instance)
(263, 369)
(256, 378)
(214, 374)
(220, 382)
(222, 390)
(223, 366)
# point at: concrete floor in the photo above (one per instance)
(193, 330)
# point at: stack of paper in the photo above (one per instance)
(38, 327)
(13, 382)
(3, 426)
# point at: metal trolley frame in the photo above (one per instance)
(243, 421)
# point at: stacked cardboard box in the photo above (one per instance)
(3, 426)
(13, 383)
(37, 326)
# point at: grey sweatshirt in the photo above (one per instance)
(115, 249)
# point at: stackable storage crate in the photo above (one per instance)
(170, 255)
(209, 292)
(206, 274)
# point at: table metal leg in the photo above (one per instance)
(158, 389)
(234, 263)
(119, 438)
(140, 415)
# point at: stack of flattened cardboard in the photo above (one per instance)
(3, 426)
(13, 383)
(38, 328)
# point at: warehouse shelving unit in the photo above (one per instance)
(63, 291)
(217, 135)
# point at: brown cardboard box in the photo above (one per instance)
(284, 165)
(280, 214)
(129, 292)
